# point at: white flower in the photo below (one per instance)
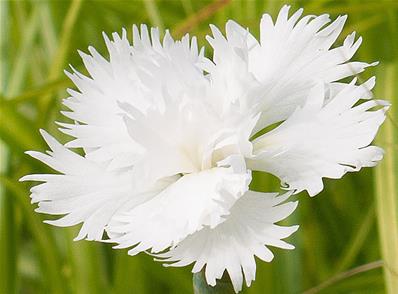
(170, 138)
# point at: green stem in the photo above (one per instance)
(345, 275)
(223, 286)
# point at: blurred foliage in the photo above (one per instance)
(338, 227)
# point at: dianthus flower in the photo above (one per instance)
(170, 138)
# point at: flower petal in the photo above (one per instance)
(233, 87)
(85, 192)
(233, 244)
(294, 55)
(275, 75)
(99, 127)
(193, 201)
(184, 134)
(327, 137)
(136, 75)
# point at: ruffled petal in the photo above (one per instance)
(134, 74)
(233, 244)
(98, 126)
(327, 137)
(183, 139)
(195, 200)
(294, 55)
(233, 87)
(85, 191)
(275, 75)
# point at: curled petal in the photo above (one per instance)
(233, 244)
(85, 192)
(193, 201)
(327, 137)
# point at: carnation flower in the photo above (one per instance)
(170, 138)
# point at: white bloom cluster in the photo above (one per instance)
(168, 140)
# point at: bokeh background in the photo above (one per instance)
(347, 233)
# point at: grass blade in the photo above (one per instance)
(387, 180)
(14, 131)
(8, 256)
(7, 234)
(153, 13)
(43, 238)
(342, 276)
(200, 16)
(126, 267)
(88, 272)
(58, 63)
(356, 243)
(22, 58)
(35, 93)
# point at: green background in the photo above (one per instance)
(351, 224)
